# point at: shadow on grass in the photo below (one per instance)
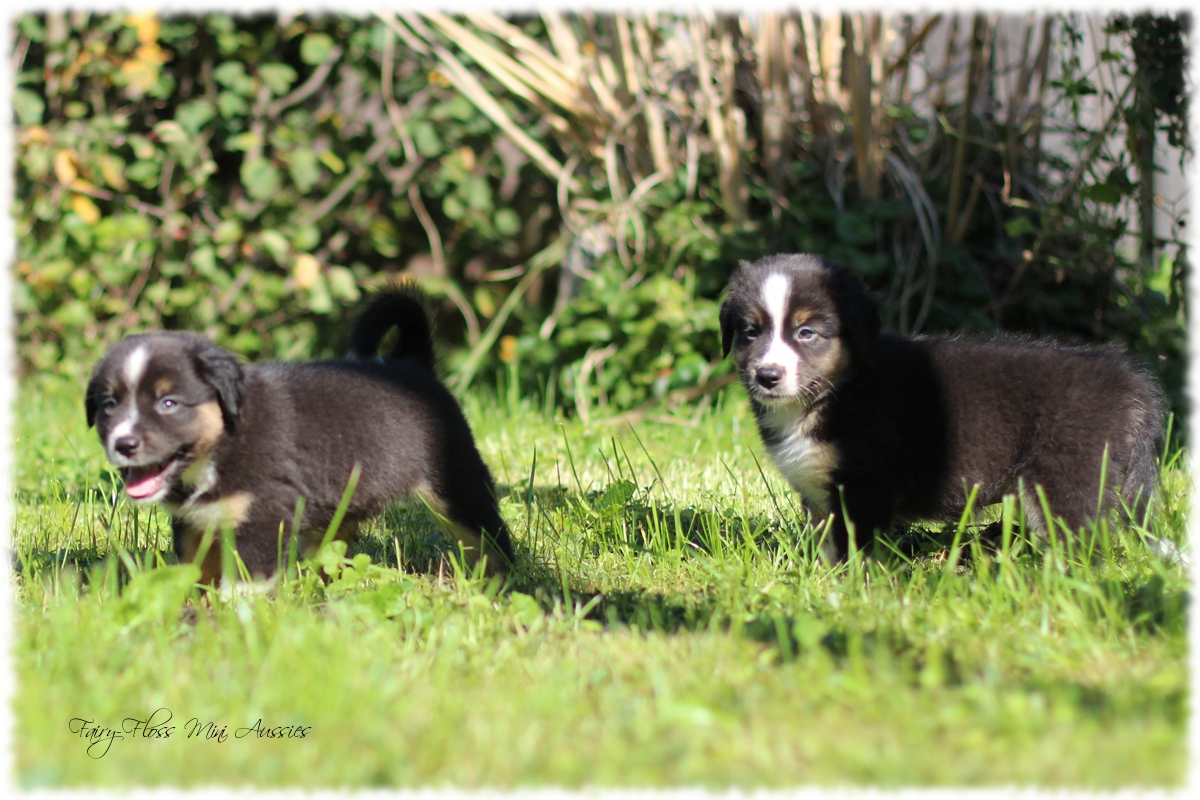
(620, 521)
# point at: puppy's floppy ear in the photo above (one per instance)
(728, 316)
(857, 307)
(221, 370)
(727, 324)
(93, 396)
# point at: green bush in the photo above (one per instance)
(575, 191)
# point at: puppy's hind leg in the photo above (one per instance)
(473, 517)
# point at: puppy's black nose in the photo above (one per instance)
(767, 377)
(126, 445)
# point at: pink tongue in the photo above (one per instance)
(144, 487)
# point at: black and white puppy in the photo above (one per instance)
(872, 427)
(219, 442)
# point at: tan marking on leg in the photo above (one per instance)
(472, 543)
(210, 570)
(1035, 519)
(310, 540)
(229, 510)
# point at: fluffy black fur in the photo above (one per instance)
(882, 427)
(221, 442)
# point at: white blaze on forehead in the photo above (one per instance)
(132, 371)
(134, 366)
(776, 290)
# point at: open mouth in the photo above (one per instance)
(151, 480)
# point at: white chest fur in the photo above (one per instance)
(806, 463)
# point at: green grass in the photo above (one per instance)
(667, 627)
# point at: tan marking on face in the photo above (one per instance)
(208, 427)
(163, 386)
(833, 362)
(801, 316)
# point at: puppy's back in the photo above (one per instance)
(1049, 411)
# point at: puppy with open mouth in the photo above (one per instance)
(222, 443)
(871, 428)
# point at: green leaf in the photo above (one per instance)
(245, 142)
(171, 132)
(319, 299)
(1106, 193)
(74, 314)
(507, 222)
(303, 168)
(232, 75)
(114, 231)
(184, 297)
(330, 159)
(278, 77)
(229, 230)
(1019, 225)
(524, 609)
(195, 115)
(29, 106)
(342, 284)
(854, 229)
(315, 48)
(55, 271)
(156, 596)
(231, 104)
(589, 330)
(453, 207)
(143, 172)
(275, 244)
(306, 238)
(260, 178)
(204, 261)
(479, 194)
(616, 496)
(426, 139)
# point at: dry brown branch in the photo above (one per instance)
(913, 44)
(728, 159)
(979, 45)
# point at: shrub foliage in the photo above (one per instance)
(576, 190)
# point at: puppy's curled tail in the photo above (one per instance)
(394, 308)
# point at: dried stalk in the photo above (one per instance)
(1041, 69)
(866, 100)
(979, 42)
(548, 257)
(473, 90)
(913, 44)
(1012, 145)
(773, 68)
(727, 155)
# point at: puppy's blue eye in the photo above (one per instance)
(109, 403)
(804, 334)
(168, 405)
